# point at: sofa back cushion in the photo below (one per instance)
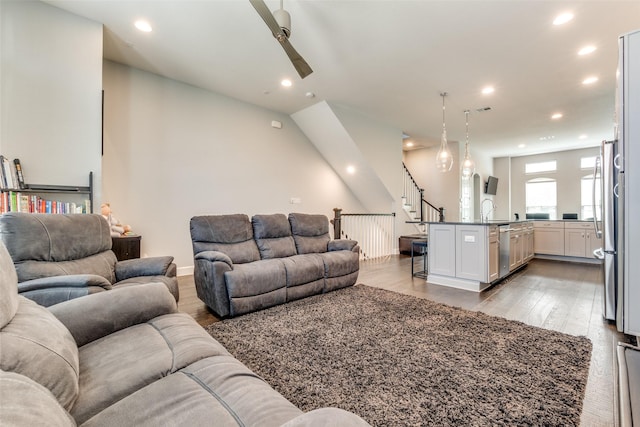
(273, 236)
(8, 288)
(230, 234)
(37, 345)
(310, 232)
(43, 245)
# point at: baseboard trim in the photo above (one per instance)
(185, 271)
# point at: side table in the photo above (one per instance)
(126, 247)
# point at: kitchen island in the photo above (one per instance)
(475, 255)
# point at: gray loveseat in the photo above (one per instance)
(45, 247)
(128, 358)
(242, 266)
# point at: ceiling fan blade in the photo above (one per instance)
(298, 61)
(267, 17)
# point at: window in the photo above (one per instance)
(586, 197)
(587, 162)
(549, 166)
(540, 196)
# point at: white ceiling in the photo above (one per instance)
(391, 59)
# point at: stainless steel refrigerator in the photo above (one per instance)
(619, 165)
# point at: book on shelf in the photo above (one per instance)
(19, 174)
(16, 201)
(7, 174)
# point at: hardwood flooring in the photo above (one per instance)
(561, 296)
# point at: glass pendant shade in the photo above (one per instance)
(444, 158)
(468, 166)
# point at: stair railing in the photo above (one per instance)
(414, 196)
(374, 232)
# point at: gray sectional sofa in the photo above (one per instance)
(45, 247)
(242, 265)
(128, 358)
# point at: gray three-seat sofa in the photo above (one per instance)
(242, 265)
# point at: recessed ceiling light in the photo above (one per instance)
(590, 80)
(409, 144)
(351, 169)
(286, 83)
(583, 136)
(522, 145)
(563, 18)
(556, 116)
(487, 90)
(143, 25)
(587, 50)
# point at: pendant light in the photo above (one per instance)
(444, 158)
(468, 166)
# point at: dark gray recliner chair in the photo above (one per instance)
(128, 358)
(60, 257)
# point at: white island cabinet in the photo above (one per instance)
(467, 255)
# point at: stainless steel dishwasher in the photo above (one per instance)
(505, 237)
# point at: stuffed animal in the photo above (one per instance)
(117, 229)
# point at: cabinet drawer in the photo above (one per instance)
(579, 225)
(548, 224)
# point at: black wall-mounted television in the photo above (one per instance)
(491, 186)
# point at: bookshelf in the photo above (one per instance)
(41, 198)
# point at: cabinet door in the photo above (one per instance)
(443, 260)
(471, 252)
(529, 244)
(494, 258)
(548, 241)
(513, 251)
(574, 242)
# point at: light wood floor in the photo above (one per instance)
(565, 297)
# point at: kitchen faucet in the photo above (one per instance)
(483, 217)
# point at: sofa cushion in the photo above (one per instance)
(273, 236)
(230, 234)
(305, 276)
(255, 278)
(124, 362)
(341, 269)
(101, 264)
(8, 287)
(27, 403)
(36, 344)
(213, 391)
(310, 232)
(45, 237)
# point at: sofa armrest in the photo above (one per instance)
(153, 266)
(214, 256)
(327, 417)
(341, 245)
(67, 281)
(98, 315)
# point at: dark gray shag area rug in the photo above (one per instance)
(398, 360)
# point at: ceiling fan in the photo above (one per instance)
(280, 25)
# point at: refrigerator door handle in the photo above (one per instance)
(598, 253)
(597, 166)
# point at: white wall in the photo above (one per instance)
(50, 93)
(173, 151)
(567, 176)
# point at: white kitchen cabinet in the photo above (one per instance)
(442, 249)
(471, 252)
(580, 239)
(548, 237)
(528, 243)
(494, 253)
